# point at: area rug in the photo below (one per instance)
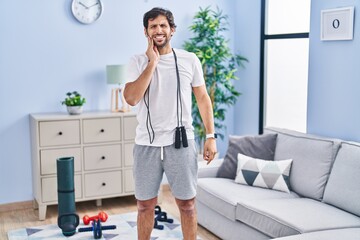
(125, 230)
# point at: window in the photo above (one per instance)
(284, 64)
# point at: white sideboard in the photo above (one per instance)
(101, 144)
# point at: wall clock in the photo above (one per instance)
(87, 11)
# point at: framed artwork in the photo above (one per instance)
(337, 24)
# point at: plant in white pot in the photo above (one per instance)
(74, 102)
(219, 66)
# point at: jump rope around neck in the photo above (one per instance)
(180, 131)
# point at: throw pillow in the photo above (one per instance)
(261, 173)
(257, 146)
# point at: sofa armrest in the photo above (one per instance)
(208, 171)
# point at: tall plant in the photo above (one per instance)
(219, 66)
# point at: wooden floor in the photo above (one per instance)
(28, 217)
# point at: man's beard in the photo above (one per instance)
(162, 44)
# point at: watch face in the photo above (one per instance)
(87, 11)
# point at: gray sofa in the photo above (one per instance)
(323, 203)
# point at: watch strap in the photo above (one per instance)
(211, 135)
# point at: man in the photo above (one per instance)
(162, 82)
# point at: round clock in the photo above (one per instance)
(87, 11)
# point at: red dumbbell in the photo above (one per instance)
(102, 216)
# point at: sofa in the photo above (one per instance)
(323, 201)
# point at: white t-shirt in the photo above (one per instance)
(163, 96)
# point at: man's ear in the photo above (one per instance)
(172, 31)
(145, 32)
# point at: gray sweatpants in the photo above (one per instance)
(180, 167)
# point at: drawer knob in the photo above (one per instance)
(60, 133)
(102, 130)
(104, 184)
(103, 157)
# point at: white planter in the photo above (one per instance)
(74, 110)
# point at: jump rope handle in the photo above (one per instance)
(183, 136)
(177, 138)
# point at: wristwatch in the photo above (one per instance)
(211, 135)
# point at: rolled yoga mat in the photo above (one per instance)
(68, 220)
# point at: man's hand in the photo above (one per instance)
(152, 52)
(135, 90)
(209, 149)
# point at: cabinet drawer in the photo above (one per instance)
(49, 188)
(130, 124)
(128, 154)
(48, 159)
(55, 133)
(102, 130)
(101, 184)
(102, 157)
(129, 181)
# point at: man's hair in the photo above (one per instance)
(155, 12)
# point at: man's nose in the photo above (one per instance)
(158, 29)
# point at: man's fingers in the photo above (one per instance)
(156, 50)
(150, 42)
(209, 156)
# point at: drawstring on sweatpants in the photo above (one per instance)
(162, 153)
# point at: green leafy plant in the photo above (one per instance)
(219, 66)
(73, 99)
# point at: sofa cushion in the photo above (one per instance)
(258, 146)
(223, 227)
(262, 173)
(284, 217)
(222, 194)
(343, 187)
(209, 170)
(312, 160)
(345, 233)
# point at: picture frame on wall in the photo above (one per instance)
(337, 24)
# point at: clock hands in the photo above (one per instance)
(84, 5)
(94, 5)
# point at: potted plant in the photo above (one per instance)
(219, 67)
(74, 102)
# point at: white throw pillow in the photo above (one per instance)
(262, 173)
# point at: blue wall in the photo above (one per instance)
(45, 52)
(247, 43)
(334, 78)
(334, 74)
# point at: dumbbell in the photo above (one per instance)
(102, 216)
(97, 229)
